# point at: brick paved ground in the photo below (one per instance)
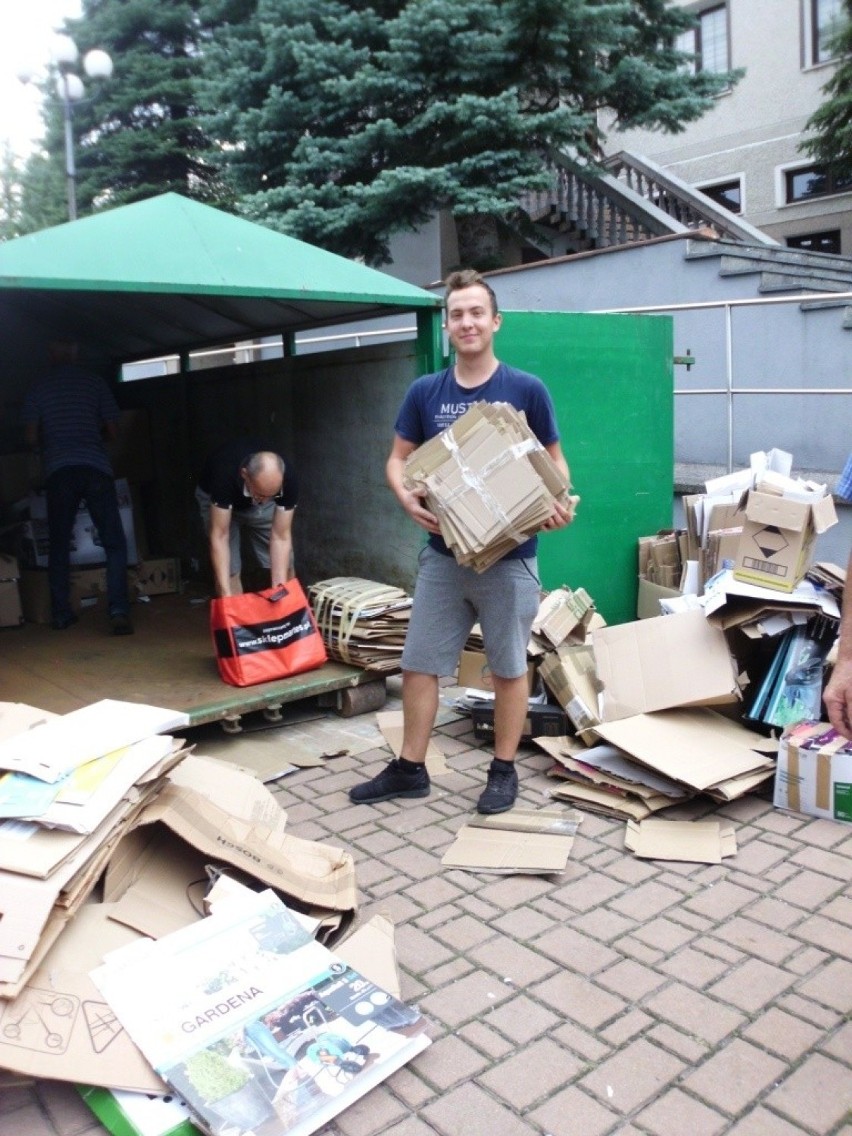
(621, 997)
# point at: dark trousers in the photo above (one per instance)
(66, 489)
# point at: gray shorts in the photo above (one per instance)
(257, 521)
(449, 599)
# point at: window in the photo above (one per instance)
(726, 193)
(824, 19)
(708, 42)
(813, 181)
(828, 241)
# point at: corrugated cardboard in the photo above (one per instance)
(227, 828)
(474, 672)
(697, 746)
(775, 545)
(688, 841)
(649, 596)
(814, 773)
(655, 664)
(479, 847)
(11, 613)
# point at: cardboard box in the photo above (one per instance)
(475, 673)
(775, 545)
(814, 772)
(35, 596)
(155, 577)
(649, 596)
(85, 544)
(11, 613)
(541, 722)
(656, 664)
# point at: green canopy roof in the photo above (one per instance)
(169, 274)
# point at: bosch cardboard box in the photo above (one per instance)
(774, 548)
(814, 772)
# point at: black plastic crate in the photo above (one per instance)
(542, 722)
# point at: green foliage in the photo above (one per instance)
(830, 127)
(32, 195)
(344, 123)
(138, 133)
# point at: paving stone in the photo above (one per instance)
(694, 967)
(630, 979)
(531, 1074)
(449, 1061)
(752, 985)
(694, 1013)
(734, 1076)
(471, 1111)
(762, 1122)
(579, 999)
(588, 1116)
(758, 939)
(465, 998)
(512, 961)
(721, 901)
(522, 1019)
(645, 901)
(782, 1033)
(625, 1028)
(632, 1076)
(831, 986)
(675, 1111)
(664, 934)
(574, 951)
(486, 1039)
(682, 1045)
(824, 932)
(68, 1112)
(817, 1095)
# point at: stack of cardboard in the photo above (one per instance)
(74, 785)
(759, 522)
(489, 481)
(362, 622)
(647, 688)
(207, 822)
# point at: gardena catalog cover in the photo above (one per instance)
(256, 1025)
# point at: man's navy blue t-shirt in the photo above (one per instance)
(433, 402)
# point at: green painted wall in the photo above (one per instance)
(611, 378)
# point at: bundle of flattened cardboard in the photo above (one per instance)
(640, 696)
(172, 823)
(489, 481)
(362, 622)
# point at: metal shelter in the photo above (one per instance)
(168, 275)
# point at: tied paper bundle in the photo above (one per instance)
(489, 481)
(362, 622)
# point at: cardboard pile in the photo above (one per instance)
(201, 822)
(75, 784)
(489, 481)
(362, 622)
(759, 522)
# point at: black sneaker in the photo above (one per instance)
(120, 624)
(501, 791)
(392, 782)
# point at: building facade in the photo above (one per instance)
(744, 153)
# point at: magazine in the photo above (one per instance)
(257, 1026)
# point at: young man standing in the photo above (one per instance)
(449, 598)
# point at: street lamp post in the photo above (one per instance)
(96, 64)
